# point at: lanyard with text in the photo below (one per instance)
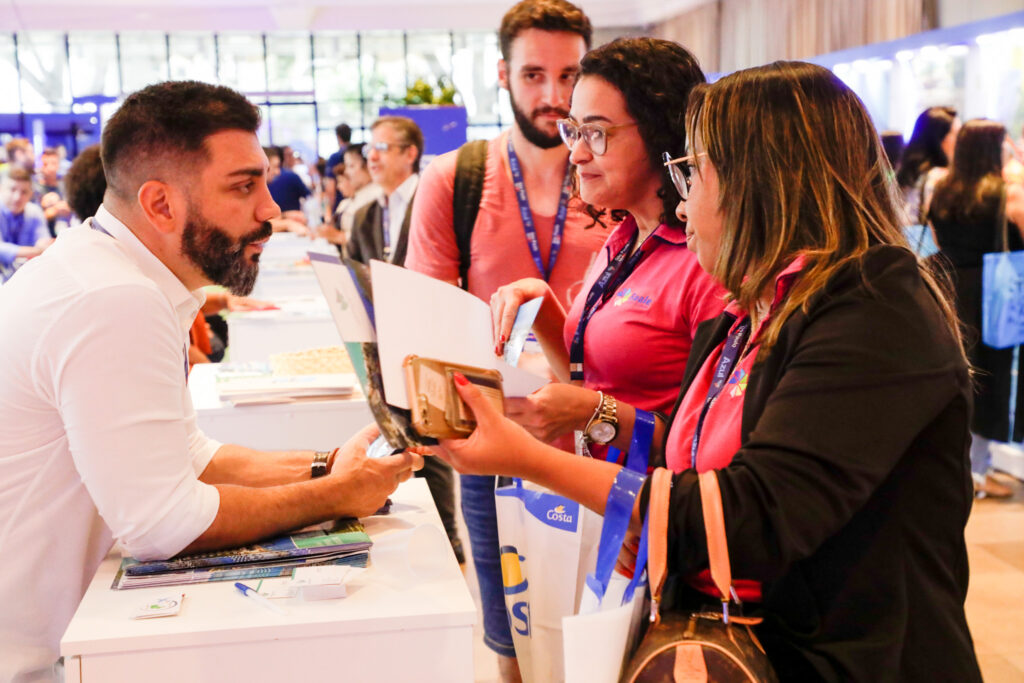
(734, 343)
(385, 221)
(94, 224)
(618, 269)
(527, 215)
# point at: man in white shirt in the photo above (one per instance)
(380, 230)
(100, 440)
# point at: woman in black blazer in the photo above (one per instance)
(840, 435)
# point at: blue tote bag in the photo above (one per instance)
(1002, 292)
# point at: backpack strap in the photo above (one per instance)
(469, 187)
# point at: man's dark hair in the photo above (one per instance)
(162, 129)
(273, 151)
(409, 131)
(85, 183)
(344, 132)
(50, 152)
(19, 174)
(357, 149)
(16, 145)
(546, 15)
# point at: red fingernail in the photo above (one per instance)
(503, 339)
(460, 379)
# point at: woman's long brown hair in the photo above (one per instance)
(801, 171)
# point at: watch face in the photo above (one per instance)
(601, 432)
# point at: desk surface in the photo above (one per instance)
(387, 598)
(315, 425)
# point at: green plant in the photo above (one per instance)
(422, 92)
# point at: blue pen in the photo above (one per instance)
(250, 593)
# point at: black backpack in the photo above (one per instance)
(469, 187)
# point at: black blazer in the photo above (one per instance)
(849, 495)
(367, 239)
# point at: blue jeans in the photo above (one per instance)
(482, 526)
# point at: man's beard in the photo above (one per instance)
(221, 258)
(531, 132)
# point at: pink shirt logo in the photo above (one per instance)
(628, 295)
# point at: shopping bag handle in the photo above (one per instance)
(621, 499)
(1002, 236)
(617, 513)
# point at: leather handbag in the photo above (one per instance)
(689, 647)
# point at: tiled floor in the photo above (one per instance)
(995, 599)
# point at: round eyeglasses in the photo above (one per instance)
(595, 135)
(680, 171)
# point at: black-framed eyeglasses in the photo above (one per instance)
(594, 134)
(680, 170)
(385, 146)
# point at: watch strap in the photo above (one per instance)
(319, 467)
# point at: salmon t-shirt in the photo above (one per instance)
(499, 253)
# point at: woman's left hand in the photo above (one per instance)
(496, 446)
(553, 410)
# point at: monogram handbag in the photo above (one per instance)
(711, 645)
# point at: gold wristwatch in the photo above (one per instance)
(603, 426)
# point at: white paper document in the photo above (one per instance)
(417, 314)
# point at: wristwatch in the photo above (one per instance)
(320, 459)
(603, 426)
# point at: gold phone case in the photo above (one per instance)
(437, 410)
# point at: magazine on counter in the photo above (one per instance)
(330, 541)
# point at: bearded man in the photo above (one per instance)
(100, 440)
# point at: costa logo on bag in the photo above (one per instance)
(558, 514)
(515, 584)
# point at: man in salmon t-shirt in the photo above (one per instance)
(518, 231)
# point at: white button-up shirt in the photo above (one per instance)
(397, 203)
(99, 437)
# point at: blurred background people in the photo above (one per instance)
(23, 231)
(927, 154)
(965, 216)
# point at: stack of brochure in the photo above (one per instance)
(255, 383)
(344, 541)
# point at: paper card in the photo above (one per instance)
(525, 316)
(417, 314)
(164, 606)
(343, 298)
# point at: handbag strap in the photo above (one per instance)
(657, 536)
(714, 528)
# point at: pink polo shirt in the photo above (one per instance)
(637, 343)
(721, 433)
(499, 253)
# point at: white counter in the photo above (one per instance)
(394, 625)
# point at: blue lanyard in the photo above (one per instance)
(734, 343)
(618, 269)
(385, 219)
(527, 215)
(94, 224)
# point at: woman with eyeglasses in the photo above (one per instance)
(840, 435)
(623, 344)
